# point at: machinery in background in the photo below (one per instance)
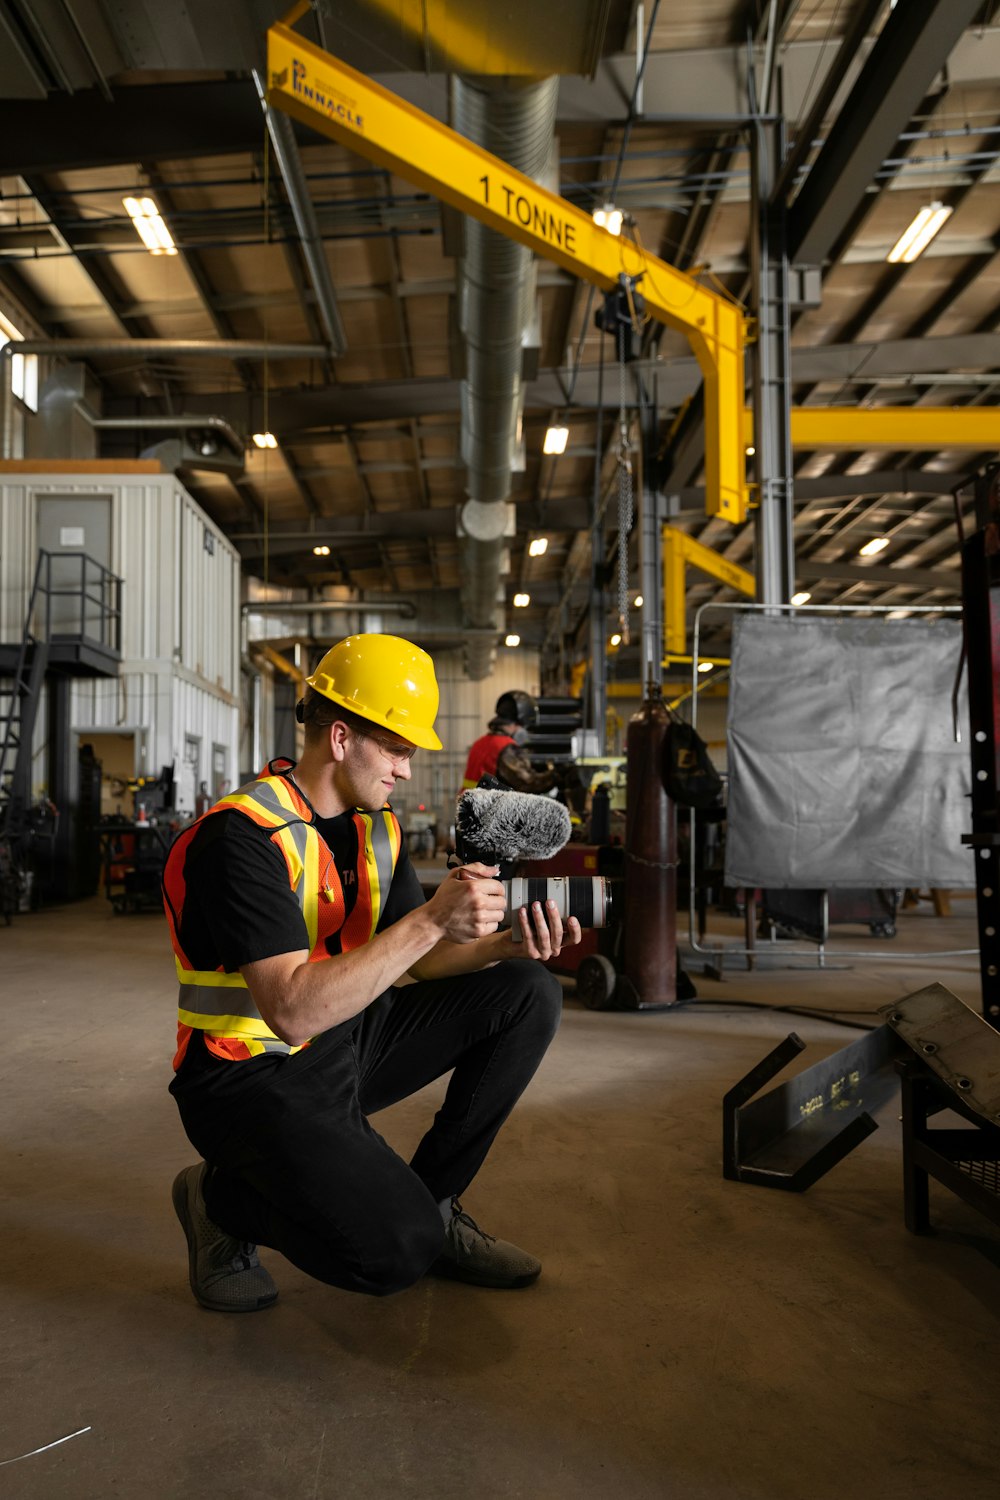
(132, 851)
(631, 964)
(72, 629)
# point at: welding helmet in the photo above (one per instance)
(517, 708)
(385, 679)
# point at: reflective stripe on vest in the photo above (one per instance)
(220, 1004)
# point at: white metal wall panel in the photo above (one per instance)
(17, 559)
(180, 616)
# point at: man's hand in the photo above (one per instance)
(542, 933)
(469, 903)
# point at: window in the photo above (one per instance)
(220, 784)
(23, 367)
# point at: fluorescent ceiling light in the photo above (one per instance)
(150, 226)
(265, 440)
(915, 239)
(538, 547)
(556, 439)
(705, 666)
(802, 597)
(877, 544)
(521, 601)
(512, 640)
(608, 217)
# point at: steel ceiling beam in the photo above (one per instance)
(902, 577)
(841, 486)
(165, 121)
(316, 411)
(104, 282)
(145, 122)
(912, 48)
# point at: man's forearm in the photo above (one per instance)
(446, 959)
(299, 999)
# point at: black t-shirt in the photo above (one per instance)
(239, 906)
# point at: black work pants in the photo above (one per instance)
(296, 1164)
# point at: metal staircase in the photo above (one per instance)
(72, 627)
(19, 698)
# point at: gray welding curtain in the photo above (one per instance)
(843, 766)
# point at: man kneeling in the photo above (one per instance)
(317, 987)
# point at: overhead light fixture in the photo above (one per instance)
(149, 225)
(265, 440)
(512, 640)
(802, 597)
(915, 239)
(555, 440)
(705, 666)
(872, 548)
(608, 217)
(538, 547)
(750, 450)
(638, 601)
(321, 551)
(616, 640)
(521, 601)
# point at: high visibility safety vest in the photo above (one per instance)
(484, 754)
(218, 1003)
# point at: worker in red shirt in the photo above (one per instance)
(498, 752)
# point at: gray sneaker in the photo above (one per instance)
(225, 1274)
(479, 1258)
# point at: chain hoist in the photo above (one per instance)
(623, 315)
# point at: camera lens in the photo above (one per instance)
(588, 898)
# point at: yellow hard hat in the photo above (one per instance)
(385, 679)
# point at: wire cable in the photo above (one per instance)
(809, 1013)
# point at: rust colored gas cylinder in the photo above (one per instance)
(650, 974)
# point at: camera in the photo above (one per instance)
(495, 826)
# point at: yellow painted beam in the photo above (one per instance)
(636, 690)
(280, 663)
(679, 551)
(344, 105)
(922, 427)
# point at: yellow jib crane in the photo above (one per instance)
(341, 103)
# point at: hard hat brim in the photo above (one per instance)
(423, 736)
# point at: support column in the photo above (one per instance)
(771, 365)
(598, 636)
(652, 510)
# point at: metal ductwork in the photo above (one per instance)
(286, 152)
(405, 607)
(68, 423)
(497, 294)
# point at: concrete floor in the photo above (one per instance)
(689, 1338)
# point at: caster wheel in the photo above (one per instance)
(595, 982)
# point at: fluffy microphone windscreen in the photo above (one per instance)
(511, 825)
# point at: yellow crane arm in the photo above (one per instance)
(341, 103)
(679, 550)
